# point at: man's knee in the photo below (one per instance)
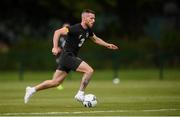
(90, 70)
(85, 68)
(54, 83)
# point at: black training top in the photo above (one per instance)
(77, 35)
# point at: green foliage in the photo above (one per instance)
(171, 42)
(31, 54)
(35, 54)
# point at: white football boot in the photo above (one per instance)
(79, 96)
(29, 92)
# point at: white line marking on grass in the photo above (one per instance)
(82, 112)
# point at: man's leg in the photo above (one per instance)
(88, 71)
(58, 78)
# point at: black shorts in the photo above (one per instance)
(68, 61)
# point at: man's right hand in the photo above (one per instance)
(56, 50)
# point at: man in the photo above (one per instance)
(76, 36)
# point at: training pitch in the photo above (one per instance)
(150, 97)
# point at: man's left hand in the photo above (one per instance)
(112, 46)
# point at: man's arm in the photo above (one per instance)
(57, 34)
(101, 42)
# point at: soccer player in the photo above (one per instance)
(76, 36)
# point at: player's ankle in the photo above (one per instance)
(80, 92)
(33, 89)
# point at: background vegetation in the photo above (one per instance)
(146, 31)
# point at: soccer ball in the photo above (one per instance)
(90, 101)
(116, 81)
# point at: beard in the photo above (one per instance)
(89, 25)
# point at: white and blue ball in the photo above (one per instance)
(90, 101)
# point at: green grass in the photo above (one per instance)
(138, 93)
(127, 98)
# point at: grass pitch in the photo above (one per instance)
(128, 98)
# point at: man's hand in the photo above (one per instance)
(112, 46)
(56, 50)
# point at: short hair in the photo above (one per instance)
(88, 11)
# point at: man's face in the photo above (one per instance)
(90, 20)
